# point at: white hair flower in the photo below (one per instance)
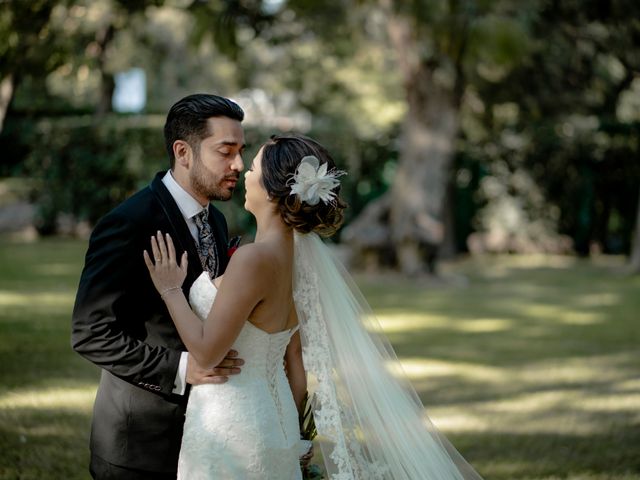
(313, 183)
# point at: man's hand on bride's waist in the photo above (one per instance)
(230, 365)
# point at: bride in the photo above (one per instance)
(285, 301)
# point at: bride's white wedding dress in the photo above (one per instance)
(246, 428)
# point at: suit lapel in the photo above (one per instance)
(183, 239)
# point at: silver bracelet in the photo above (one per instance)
(164, 292)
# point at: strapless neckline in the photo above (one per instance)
(288, 331)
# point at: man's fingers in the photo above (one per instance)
(217, 380)
(225, 371)
(231, 362)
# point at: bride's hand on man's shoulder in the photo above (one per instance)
(166, 273)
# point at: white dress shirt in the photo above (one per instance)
(189, 207)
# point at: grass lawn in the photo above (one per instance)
(531, 365)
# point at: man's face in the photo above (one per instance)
(217, 162)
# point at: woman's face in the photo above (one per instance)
(255, 195)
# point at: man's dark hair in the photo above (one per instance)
(187, 119)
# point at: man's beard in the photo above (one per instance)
(211, 189)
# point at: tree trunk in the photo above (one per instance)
(449, 247)
(7, 88)
(634, 264)
(107, 82)
(419, 189)
(429, 131)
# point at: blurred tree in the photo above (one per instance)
(536, 88)
(26, 44)
(436, 46)
(115, 16)
(528, 110)
(326, 82)
(562, 118)
(65, 38)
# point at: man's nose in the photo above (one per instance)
(237, 164)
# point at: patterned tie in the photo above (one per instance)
(207, 244)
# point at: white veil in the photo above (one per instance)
(372, 421)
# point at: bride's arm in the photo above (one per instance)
(243, 288)
(295, 370)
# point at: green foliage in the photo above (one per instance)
(83, 167)
(497, 43)
(221, 21)
(554, 119)
(23, 34)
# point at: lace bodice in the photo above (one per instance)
(262, 352)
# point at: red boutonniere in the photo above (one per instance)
(233, 245)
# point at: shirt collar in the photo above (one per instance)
(188, 205)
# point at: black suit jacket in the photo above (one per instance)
(121, 324)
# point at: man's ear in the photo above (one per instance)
(183, 153)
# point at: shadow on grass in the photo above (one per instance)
(38, 443)
(506, 456)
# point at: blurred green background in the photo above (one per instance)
(494, 188)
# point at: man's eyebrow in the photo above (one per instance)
(230, 143)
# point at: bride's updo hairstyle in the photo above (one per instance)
(281, 156)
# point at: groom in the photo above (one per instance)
(119, 321)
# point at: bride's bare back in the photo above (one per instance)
(273, 275)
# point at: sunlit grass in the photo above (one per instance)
(69, 398)
(36, 300)
(530, 365)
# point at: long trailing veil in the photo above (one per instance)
(371, 419)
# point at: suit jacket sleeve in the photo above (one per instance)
(119, 323)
